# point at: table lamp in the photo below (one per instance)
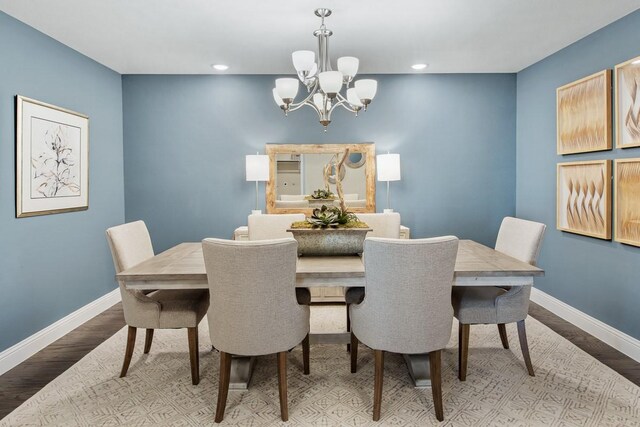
(257, 169)
(388, 167)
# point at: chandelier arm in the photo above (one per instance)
(344, 104)
(295, 106)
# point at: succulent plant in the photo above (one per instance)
(330, 217)
(322, 194)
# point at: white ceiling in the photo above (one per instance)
(258, 36)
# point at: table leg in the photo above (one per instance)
(241, 371)
(418, 365)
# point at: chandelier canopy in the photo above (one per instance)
(323, 84)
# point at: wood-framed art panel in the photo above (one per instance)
(627, 100)
(584, 198)
(583, 115)
(367, 149)
(52, 159)
(627, 201)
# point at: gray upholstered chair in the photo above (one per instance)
(386, 225)
(165, 309)
(253, 306)
(519, 239)
(271, 226)
(407, 306)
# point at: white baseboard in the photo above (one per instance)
(619, 340)
(26, 348)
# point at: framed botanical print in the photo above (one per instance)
(627, 93)
(627, 201)
(583, 114)
(584, 198)
(52, 159)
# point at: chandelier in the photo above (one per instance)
(323, 84)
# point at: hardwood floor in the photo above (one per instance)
(26, 379)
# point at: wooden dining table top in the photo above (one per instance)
(184, 262)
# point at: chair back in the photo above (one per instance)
(520, 239)
(253, 308)
(407, 305)
(385, 225)
(130, 244)
(271, 226)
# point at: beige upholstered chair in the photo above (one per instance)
(267, 226)
(170, 309)
(385, 225)
(519, 239)
(407, 306)
(253, 306)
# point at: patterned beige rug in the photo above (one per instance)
(570, 388)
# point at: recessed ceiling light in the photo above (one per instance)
(419, 66)
(220, 67)
(636, 62)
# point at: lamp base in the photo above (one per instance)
(256, 212)
(387, 211)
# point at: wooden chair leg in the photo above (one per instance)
(522, 334)
(354, 353)
(148, 339)
(194, 357)
(503, 335)
(282, 385)
(305, 354)
(377, 383)
(348, 326)
(463, 350)
(131, 343)
(223, 384)
(435, 366)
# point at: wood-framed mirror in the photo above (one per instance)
(297, 170)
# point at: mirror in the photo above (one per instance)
(297, 171)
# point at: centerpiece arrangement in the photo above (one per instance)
(330, 230)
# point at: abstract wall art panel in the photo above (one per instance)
(628, 103)
(584, 198)
(583, 111)
(52, 159)
(627, 201)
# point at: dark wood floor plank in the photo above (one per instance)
(26, 379)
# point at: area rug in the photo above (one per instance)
(570, 388)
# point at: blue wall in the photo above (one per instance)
(52, 265)
(186, 138)
(598, 277)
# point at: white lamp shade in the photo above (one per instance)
(330, 81)
(287, 88)
(276, 98)
(348, 65)
(318, 100)
(257, 166)
(366, 88)
(303, 60)
(388, 167)
(352, 98)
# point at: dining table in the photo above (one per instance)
(182, 267)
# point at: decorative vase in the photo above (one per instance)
(329, 241)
